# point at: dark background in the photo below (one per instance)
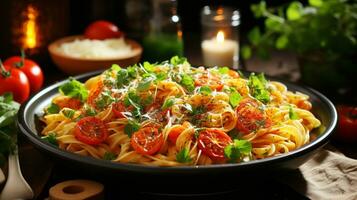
(71, 17)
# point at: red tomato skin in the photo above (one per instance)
(100, 30)
(31, 69)
(175, 133)
(211, 148)
(17, 83)
(248, 116)
(117, 109)
(90, 123)
(347, 124)
(153, 140)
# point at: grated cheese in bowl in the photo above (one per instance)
(86, 48)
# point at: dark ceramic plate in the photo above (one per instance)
(322, 108)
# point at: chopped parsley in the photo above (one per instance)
(187, 82)
(183, 156)
(292, 114)
(206, 90)
(234, 98)
(223, 70)
(148, 67)
(144, 85)
(75, 89)
(109, 156)
(50, 138)
(234, 152)
(178, 60)
(168, 103)
(131, 127)
(53, 108)
(67, 112)
(258, 87)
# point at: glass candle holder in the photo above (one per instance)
(220, 36)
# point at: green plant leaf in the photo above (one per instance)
(282, 42)
(316, 3)
(246, 52)
(258, 9)
(294, 11)
(254, 36)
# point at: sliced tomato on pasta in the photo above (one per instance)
(118, 108)
(147, 140)
(212, 143)
(68, 102)
(211, 80)
(91, 130)
(250, 117)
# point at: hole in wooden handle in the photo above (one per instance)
(73, 189)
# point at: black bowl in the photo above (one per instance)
(322, 108)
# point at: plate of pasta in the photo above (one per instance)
(172, 117)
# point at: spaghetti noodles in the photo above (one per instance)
(171, 114)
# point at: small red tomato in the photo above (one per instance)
(14, 81)
(347, 124)
(212, 143)
(250, 117)
(100, 30)
(31, 69)
(147, 140)
(91, 130)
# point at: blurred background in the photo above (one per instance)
(59, 18)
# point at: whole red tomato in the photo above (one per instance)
(101, 30)
(14, 81)
(347, 123)
(30, 68)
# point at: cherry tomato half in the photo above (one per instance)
(118, 109)
(91, 130)
(68, 102)
(14, 81)
(175, 132)
(147, 140)
(347, 124)
(212, 143)
(31, 69)
(101, 30)
(250, 117)
(212, 81)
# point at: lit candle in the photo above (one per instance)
(29, 28)
(219, 51)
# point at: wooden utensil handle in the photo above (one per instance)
(77, 190)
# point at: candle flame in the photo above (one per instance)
(220, 36)
(29, 28)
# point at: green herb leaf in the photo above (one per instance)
(53, 109)
(51, 138)
(292, 114)
(131, 127)
(223, 70)
(178, 60)
(148, 67)
(188, 82)
(161, 76)
(206, 90)
(258, 87)
(168, 103)
(109, 156)
(75, 89)
(183, 156)
(115, 67)
(69, 113)
(122, 78)
(234, 98)
(235, 151)
(8, 110)
(144, 85)
(89, 111)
